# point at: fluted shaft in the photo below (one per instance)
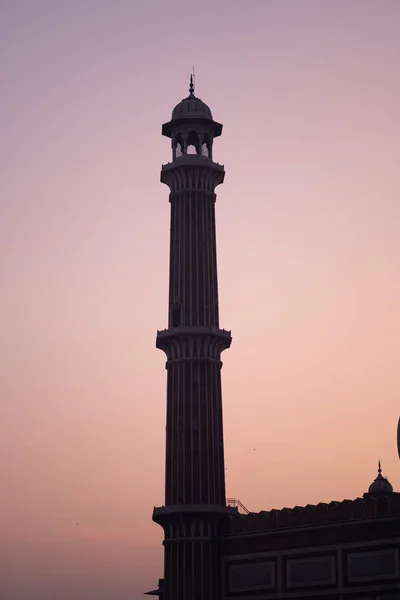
(191, 566)
(194, 454)
(193, 259)
(193, 343)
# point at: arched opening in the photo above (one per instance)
(178, 145)
(206, 146)
(193, 144)
(204, 149)
(176, 314)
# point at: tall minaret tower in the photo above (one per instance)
(193, 342)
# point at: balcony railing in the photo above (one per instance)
(237, 504)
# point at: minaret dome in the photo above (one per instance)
(192, 129)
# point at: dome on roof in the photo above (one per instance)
(381, 485)
(191, 107)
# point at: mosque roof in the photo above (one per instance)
(380, 501)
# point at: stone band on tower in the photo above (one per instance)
(195, 475)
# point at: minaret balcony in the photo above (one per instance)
(185, 516)
(193, 343)
(192, 171)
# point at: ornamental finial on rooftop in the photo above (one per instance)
(380, 484)
(191, 86)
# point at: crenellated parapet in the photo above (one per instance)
(369, 507)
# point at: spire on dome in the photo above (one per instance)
(194, 113)
(380, 485)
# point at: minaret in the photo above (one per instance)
(193, 342)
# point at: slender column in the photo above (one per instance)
(195, 471)
(193, 261)
(193, 343)
(195, 500)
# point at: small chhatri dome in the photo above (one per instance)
(381, 485)
(191, 106)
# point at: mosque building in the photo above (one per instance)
(214, 548)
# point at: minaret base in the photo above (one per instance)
(191, 567)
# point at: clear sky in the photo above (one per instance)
(308, 248)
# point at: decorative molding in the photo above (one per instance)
(182, 343)
(373, 565)
(310, 571)
(252, 577)
(192, 171)
(395, 542)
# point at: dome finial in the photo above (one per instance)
(381, 484)
(191, 85)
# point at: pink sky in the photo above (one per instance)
(308, 248)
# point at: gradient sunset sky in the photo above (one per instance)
(309, 257)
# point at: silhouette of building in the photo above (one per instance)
(216, 549)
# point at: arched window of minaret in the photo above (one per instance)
(193, 144)
(178, 145)
(176, 314)
(206, 146)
